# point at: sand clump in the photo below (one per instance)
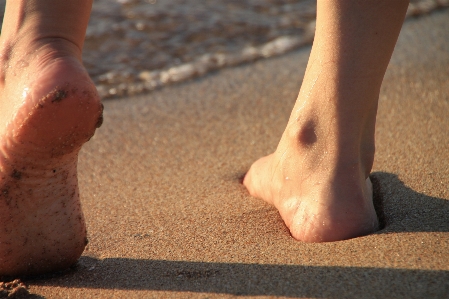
(14, 289)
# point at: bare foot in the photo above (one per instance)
(48, 109)
(318, 183)
(318, 176)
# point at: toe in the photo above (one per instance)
(257, 179)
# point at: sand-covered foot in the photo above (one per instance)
(48, 109)
(319, 184)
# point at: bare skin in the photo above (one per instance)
(48, 109)
(318, 177)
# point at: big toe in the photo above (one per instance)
(257, 179)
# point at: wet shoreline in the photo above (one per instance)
(161, 43)
(136, 46)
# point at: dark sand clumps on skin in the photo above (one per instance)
(15, 289)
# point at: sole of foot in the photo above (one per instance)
(49, 108)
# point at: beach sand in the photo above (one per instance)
(168, 217)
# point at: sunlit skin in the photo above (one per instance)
(48, 109)
(318, 176)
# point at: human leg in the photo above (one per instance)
(49, 108)
(318, 176)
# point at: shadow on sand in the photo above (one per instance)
(254, 279)
(401, 208)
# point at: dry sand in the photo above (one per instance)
(167, 216)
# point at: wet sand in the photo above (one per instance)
(136, 46)
(167, 216)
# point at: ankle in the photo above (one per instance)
(320, 138)
(47, 18)
(18, 53)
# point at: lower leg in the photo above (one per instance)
(318, 176)
(48, 109)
